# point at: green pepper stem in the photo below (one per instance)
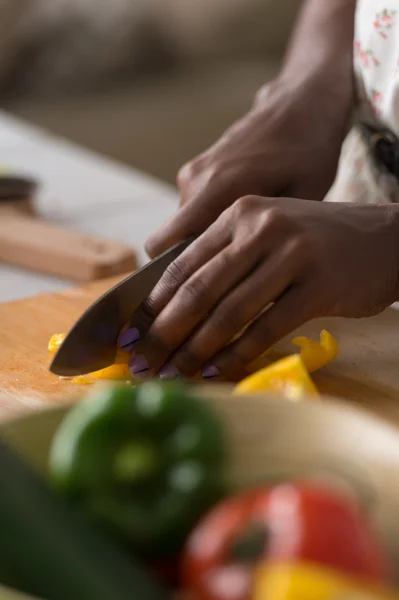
(135, 461)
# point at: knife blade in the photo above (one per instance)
(91, 344)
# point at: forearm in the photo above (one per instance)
(321, 47)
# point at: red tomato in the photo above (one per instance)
(286, 523)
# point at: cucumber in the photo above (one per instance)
(48, 551)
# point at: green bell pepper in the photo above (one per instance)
(145, 462)
(49, 551)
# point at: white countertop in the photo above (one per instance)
(82, 191)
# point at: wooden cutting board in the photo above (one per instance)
(366, 371)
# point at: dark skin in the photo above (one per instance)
(289, 142)
(265, 242)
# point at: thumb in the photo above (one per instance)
(192, 218)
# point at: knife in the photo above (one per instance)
(92, 342)
(16, 189)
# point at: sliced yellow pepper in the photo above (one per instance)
(55, 342)
(122, 357)
(310, 582)
(118, 372)
(316, 355)
(287, 377)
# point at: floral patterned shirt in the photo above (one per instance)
(376, 56)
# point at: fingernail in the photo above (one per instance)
(169, 372)
(139, 366)
(129, 338)
(210, 372)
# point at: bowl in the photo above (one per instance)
(272, 440)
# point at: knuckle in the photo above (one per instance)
(175, 274)
(196, 293)
(261, 94)
(187, 361)
(274, 217)
(244, 205)
(192, 169)
(149, 311)
(172, 279)
(186, 173)
(204, 172)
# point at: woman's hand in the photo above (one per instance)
(287, 145)
(296, 258)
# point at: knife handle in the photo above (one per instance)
(33, 243)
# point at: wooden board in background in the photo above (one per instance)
(366, 372)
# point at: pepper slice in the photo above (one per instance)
(287, 523)
(316, 355)
(116, 372)
(145, 462)
(55, 342)
(287, 377)
(305, 581)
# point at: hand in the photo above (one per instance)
(309, 259)
(288, 144)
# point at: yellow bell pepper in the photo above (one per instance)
(122, 357)
(316, 355)
(287, 377)
(55, 342)
(116, 372)
(309, 582)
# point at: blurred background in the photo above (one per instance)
(147, 82)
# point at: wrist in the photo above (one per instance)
(312, 94)
(319, 57)
(324, 79)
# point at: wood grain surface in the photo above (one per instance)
(25, 328)
(41, 246)
(366, 371)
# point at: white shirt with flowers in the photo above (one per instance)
(376, 57)
(376, 67)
